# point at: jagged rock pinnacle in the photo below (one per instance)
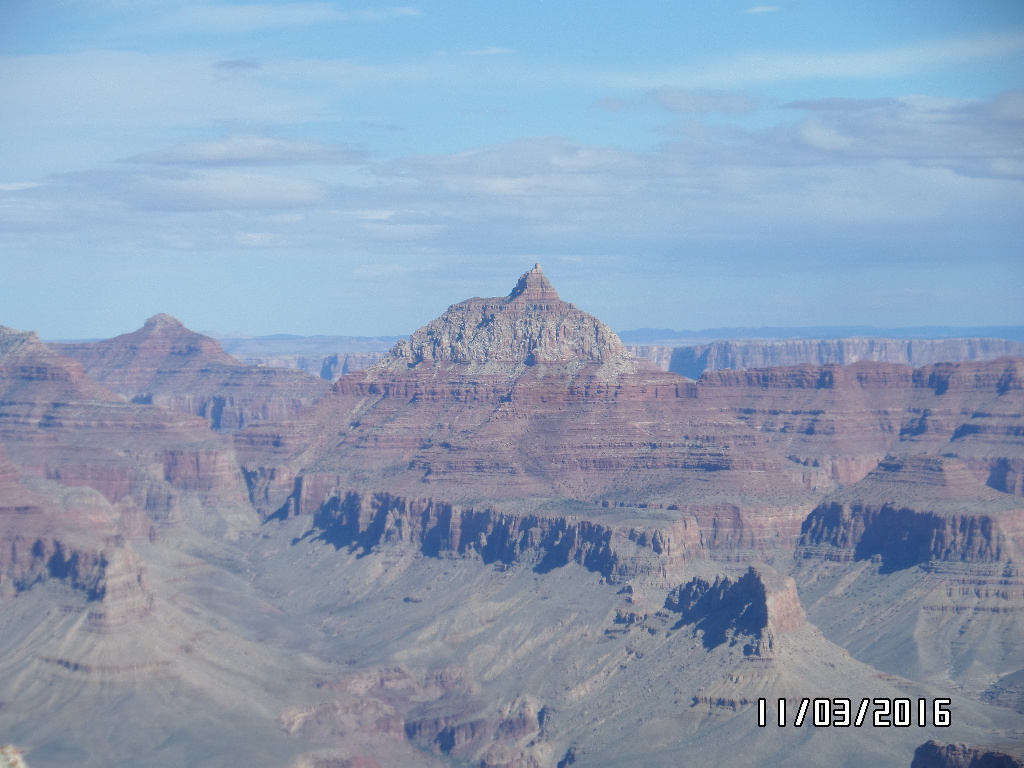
(534, 286)
(531, 325)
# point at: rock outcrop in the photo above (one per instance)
(531, 325)
(509, 543)
(751, 610)
(165, 364)
(914, 510)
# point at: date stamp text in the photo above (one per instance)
(843, 713)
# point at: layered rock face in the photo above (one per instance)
(364, 522)
(917, 509)
(165, 364)
(507, 544)
(692, 361)
(526, 402)
(531, 325)
(329, 367)
(951, 493)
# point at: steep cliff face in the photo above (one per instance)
(914, 510)
(167, 365)
(333, 367)
(363, 522)
(749, 611)
(695, 360)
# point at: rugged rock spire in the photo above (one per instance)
(531, 325)
(534, 286)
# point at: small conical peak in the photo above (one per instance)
(163, 320)
(534, 286)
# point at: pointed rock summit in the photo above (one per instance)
(534, 286)
(529, 326)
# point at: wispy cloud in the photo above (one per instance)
(972, 138)
(236, 65)
(245, 18)
(764, 9)
(698, 101)
(221, 192)
(758, 68)
(685, 101)
(381, 270)
(249, 150)
(490, 51)
(613, 104)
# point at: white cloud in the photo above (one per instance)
(121, 90)
(819, 136)
(259, 239)
(973, 138)
(223, 191)
(764, 9)
(248, 150)
(909, 162)
(490, 51)
(18, 186)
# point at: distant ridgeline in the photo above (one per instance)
(693, 360)
(688, 353)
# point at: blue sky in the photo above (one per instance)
(354, 168)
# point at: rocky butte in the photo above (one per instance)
(164, 363)
(508, 543)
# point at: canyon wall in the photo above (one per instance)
(692, 361)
